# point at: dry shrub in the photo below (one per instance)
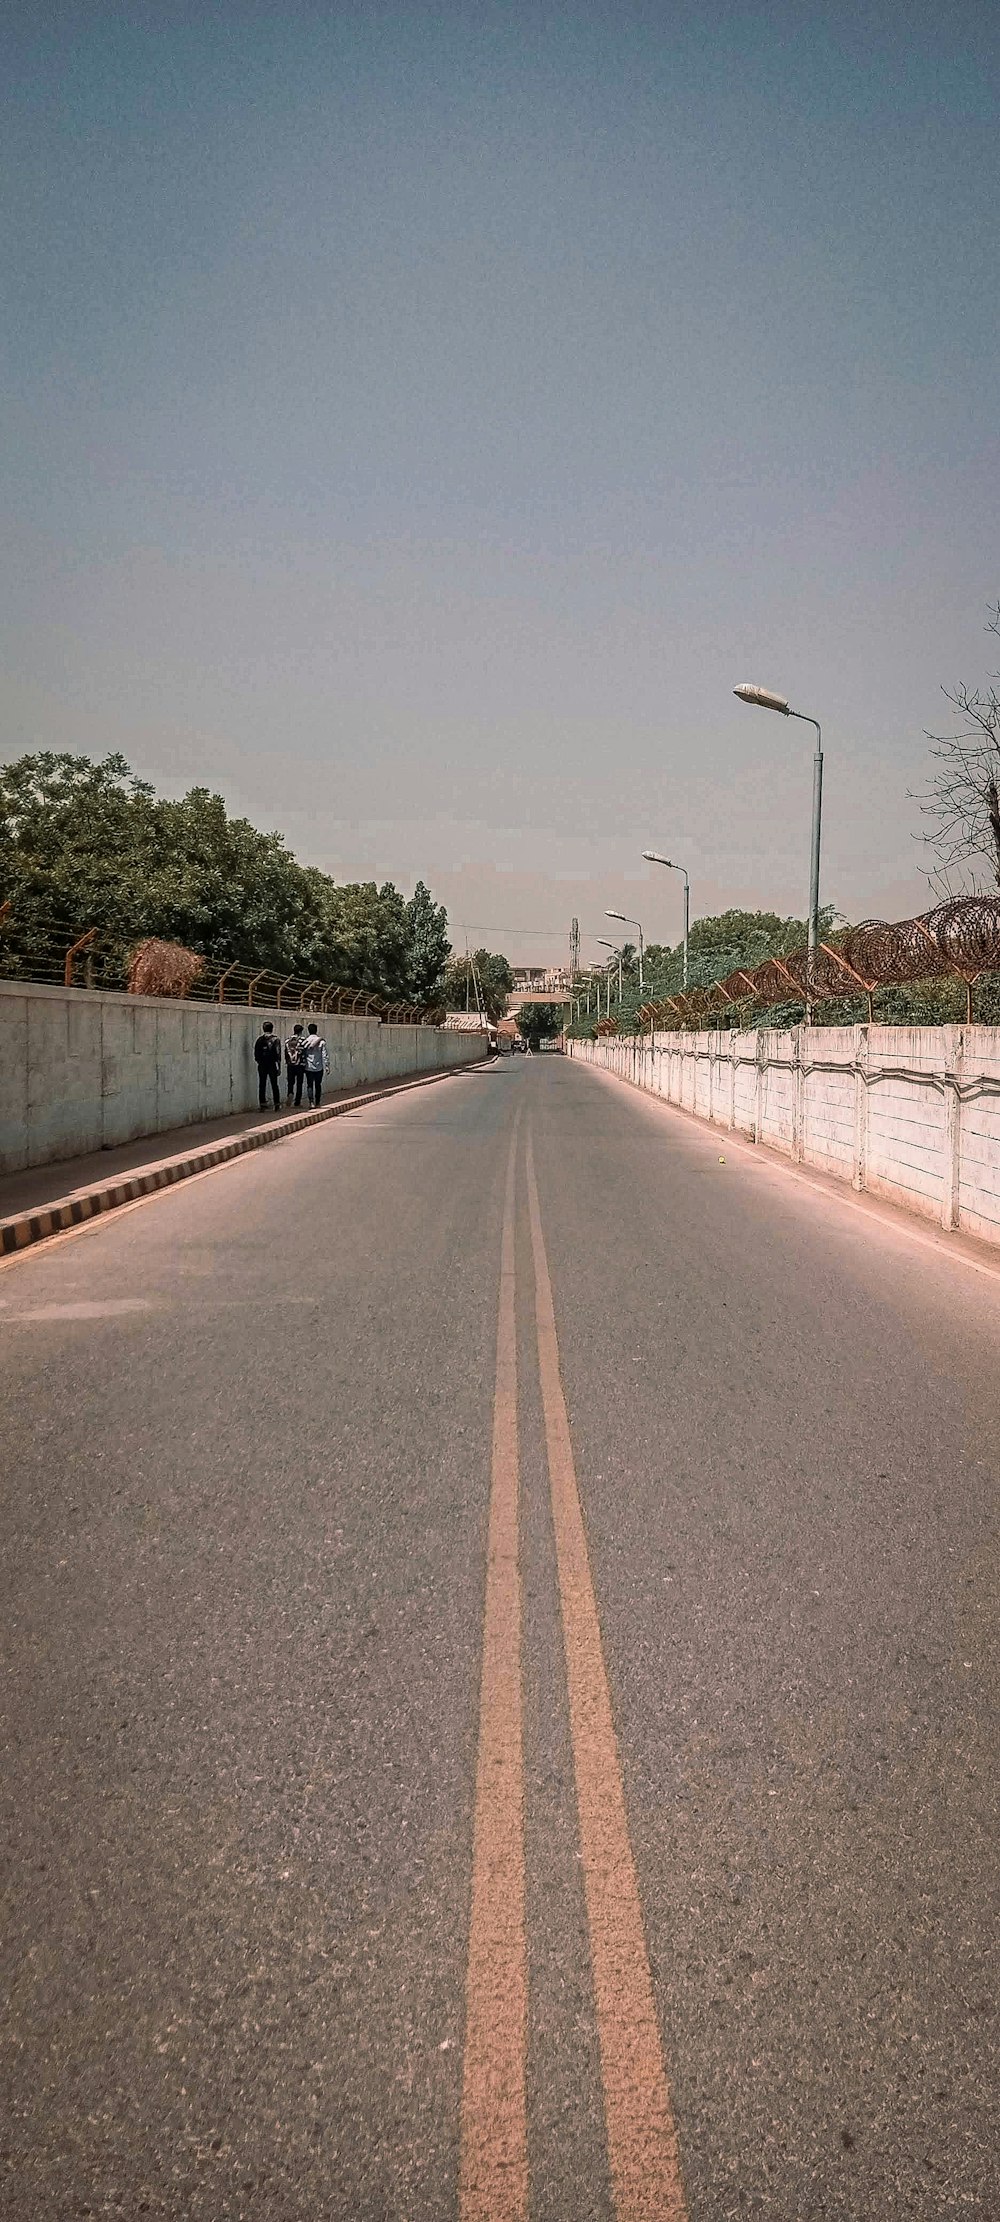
(163, 968)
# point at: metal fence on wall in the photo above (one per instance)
(53, 955)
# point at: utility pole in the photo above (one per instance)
(620, 914)
(652, 856)
(614, 953)
(480, 1006)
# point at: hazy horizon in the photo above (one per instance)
(419, 419)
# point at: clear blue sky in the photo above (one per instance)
(417, 419)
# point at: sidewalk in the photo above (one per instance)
(47, 1198)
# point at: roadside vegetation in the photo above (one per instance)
(745, 938)
(540, 1022)
(87, 844)
(480, 982)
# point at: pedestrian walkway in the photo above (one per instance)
(40, 1185)
(45, 1198)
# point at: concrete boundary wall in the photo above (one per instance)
(82, 1071)
(911, 1113)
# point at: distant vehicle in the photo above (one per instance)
(519, 1047)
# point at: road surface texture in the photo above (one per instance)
(500, 1633)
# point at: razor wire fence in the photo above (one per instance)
(958, 939)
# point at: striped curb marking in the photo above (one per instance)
(24, 1228)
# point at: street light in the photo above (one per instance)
(630, 922)
(763, 699)
(652, 858)
(615, 948)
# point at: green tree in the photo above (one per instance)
(88, 844)
(364, 941)
(428, 946)
(540, 1022)
(77, 844)
(495, 978)
(84, 844)
(226, 889)
(716, 946)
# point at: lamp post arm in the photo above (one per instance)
(766, 700)
(672, 867)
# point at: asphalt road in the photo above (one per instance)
(261, 1773)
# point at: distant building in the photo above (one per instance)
(541, 979)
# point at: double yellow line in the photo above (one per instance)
(642, 2141)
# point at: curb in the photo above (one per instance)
(27, 1227)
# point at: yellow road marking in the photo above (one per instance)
(493, 2177)
(642, 2140)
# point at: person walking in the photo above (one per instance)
(317, 1062)
(267, 1053)
(295, 1071)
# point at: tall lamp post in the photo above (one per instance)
(651, 857)
(765, 700)
(615, 948)
(630, 922)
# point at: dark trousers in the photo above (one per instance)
(295, 1075)
(268, 1078)
(315, 1082)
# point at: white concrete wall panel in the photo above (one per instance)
(829, 1090)
(979, 1160)
(911, 1113)
(63, 1048)
(702, 1091)
(15, 1083)
(745, 1092)
(908, 1114)
(81, 1071)
(777, 1087)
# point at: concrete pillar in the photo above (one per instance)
(953, 1045)
(859, 1177)
(798, 1094)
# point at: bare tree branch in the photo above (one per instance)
(962, 800)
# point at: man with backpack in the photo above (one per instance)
(295, 1071)
(316, 1059)
(267, 1054)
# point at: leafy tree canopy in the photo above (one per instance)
(741, 939)
(88, 844)
(494, 976)
(540, 1022)
(427, 931)
(716, 946)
